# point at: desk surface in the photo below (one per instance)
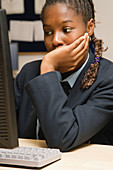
(87, 157)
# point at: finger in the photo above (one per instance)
(82, 47)
(79, 48)
(76, 43)
(86, 47)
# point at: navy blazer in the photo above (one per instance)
(66, 121)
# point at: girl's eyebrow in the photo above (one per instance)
(67, 21)
(46, 25)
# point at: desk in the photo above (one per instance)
(87, 157)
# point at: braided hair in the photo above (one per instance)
(86, 8)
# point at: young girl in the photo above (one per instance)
(85, 113)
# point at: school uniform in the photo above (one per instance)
(66, 121)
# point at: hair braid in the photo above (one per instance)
(91, 74)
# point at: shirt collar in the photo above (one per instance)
(73, 77)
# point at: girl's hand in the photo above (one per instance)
(66, 58)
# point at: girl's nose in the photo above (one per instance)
(57, 39)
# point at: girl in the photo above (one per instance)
(44, 110)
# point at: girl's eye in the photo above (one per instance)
(48, 32)
(67, 30)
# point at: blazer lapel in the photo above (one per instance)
(77, 92)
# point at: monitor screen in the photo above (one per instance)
(8, 122)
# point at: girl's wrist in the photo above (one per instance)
(46, 67)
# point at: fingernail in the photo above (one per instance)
(85, 35)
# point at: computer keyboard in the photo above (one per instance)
(29, 156)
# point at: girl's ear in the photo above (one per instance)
(90, 27)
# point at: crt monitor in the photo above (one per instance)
(8, 122)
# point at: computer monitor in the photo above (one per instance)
(8, 122)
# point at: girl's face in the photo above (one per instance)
(62, 26)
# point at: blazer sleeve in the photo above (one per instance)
(64, 127)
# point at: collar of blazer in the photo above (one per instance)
(76, 95)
